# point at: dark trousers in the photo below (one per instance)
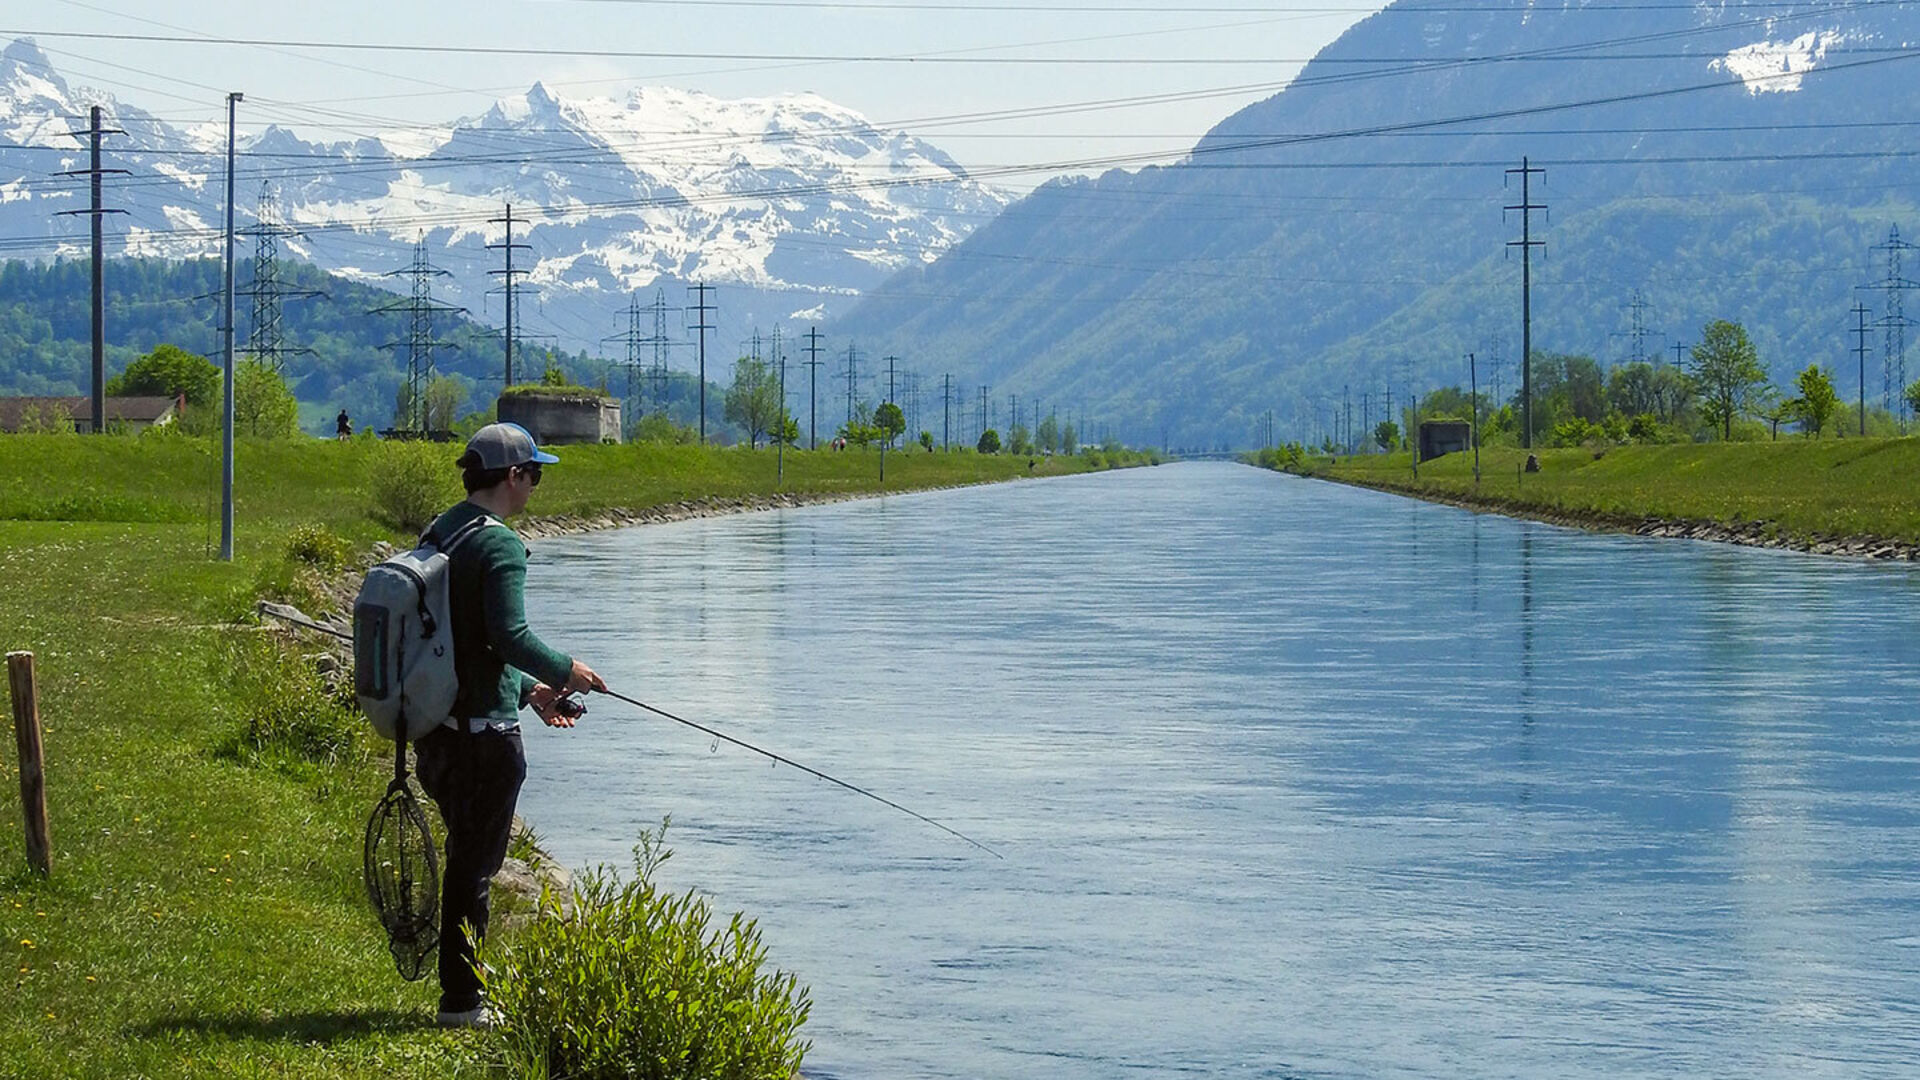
(475, 780)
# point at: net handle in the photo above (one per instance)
(400, 721)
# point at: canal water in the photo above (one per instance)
(1291, 780)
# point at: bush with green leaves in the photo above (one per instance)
(411, 483)
(319, 547)
(636, 982)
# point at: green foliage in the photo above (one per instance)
(560, 389)
(1727, 374)
(169, 371)
(660, 428)
(1386, 434)
(889, 421)
(989, 442)
(1645, 428)
(1574, 431)
(1048, 435)
(263, 405)
(753, 401)
(319, 547)
(1069, 439)
(926, 441)
(638, 982)
(411, 483)
(1019, 440)
(554, 377)
(446, 395)
(46, 418)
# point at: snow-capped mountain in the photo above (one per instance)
(791, 205)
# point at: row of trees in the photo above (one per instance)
(1721, 391)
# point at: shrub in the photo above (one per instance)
(634, 983)
(411, 483)
(320, 547)
(1574, 431)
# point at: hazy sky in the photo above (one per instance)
(1228, 53)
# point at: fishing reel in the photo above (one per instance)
(570, 707)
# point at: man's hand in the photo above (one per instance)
(583, 679)
(552, 706)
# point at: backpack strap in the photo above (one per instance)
(460, 536)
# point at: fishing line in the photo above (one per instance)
(779, 760)
(287, 614)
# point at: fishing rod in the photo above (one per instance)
(575, 709)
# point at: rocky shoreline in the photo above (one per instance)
(1758, 534)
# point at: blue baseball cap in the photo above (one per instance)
(502, 446)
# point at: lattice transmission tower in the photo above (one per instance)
(411, 410)
(265, 343)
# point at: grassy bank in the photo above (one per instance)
(205, 914)
(1795, 490)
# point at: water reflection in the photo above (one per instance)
(1293, 780)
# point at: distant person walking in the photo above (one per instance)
(473, 764)
(342, 426)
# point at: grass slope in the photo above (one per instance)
(205, 915)
(1793, 489)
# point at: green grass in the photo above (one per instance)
(1793, 488)
(205, 914)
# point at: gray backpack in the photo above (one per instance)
(403, 639)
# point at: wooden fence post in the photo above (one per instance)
(33, 779)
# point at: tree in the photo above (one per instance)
(1817, 401)
(989, 442)
(753, 401)
(890, 421)
(1019, 440)
(445, 394)
(789, 432)
(1069, 439)
(1726, 373)
(169, 371)
(263, 406)
(658, 427)
(1049, 435)
(1911, 395)
(926, 440)
(1387, 434)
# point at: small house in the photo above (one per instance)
(122, 413)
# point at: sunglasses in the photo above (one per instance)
(532, 471)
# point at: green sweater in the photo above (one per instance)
(496, 656)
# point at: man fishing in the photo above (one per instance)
(473, 764)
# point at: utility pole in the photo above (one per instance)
(1473, 396)
(890, 360)
(420, 343)
(98, 398)
(1860, 350)
(813, 375)
(780, 416)
(982, 433)
(508, 247)
(1526, 244)
(702, 310)
(946, 410)
(226, 330)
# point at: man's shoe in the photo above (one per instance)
(479, 1017)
